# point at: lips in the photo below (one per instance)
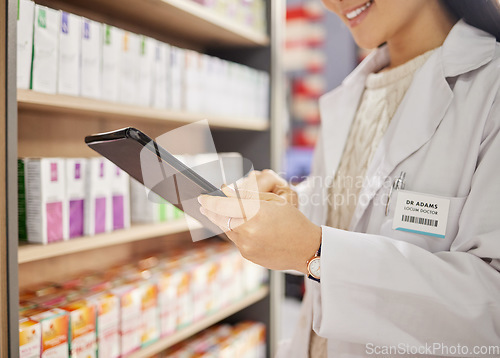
(354, 13)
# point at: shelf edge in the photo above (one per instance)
(31, 100)
(35, 252)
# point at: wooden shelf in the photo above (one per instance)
(196, 327)
(183, 20)
(35, 252)
(50, 103)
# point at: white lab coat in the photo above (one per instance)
(385, 287)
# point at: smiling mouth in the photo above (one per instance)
(356, 12)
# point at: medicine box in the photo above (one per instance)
(76, 172)
(150, 313)
(45, 49)
(91, 59)
(98, 214)
(129, 68)
(82, 333)
(167, 296)
(30, 338)
(107, 309)
(54, 324)
(146, 67)
(120, 196)
(177, 82)
(46, 203)
(69, 54)
(146, 207)
(129, 296)
(111, 50)
(192, 77)
(160, 82)
(25, 17)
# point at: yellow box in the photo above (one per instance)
(30, 338)
(82, 331)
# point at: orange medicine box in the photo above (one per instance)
(150, 314)
(81, 329)
(167, 298)
(130, 317)
(30, 338)
(107, 308)
(54, 324)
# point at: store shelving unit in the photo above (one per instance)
(37, 124)
(186, 20)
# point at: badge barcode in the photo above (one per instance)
(421, 221)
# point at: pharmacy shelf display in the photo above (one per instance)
(206, 322)
(68, 105)
(184, 19)
(40, 124)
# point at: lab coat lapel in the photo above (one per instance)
(424, 106)
(413, 124)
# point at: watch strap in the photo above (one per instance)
(313, 278)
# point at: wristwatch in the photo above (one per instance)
(313, 266)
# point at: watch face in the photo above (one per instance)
(314, 267)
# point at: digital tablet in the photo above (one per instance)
(150, 164)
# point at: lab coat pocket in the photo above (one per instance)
(428, 242)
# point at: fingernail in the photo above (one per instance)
(203, 211)
(200, 199)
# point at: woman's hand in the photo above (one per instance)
(265, 227)
(268, 181)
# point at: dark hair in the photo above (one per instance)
(483, 14)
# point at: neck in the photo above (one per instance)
(427, 31)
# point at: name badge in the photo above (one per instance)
(421, 213)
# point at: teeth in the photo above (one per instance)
(351, 15)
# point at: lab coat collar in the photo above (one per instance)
(465, 49)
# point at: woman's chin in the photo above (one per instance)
(368, 43)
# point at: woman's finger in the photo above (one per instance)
(249, 194)
(231, 206)
(221, 221)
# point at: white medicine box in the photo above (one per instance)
(91, 59)
(69, 54)
(76, 175)
(45, 49)
(160, 80)
(111, 49)
(146, 70)
(120, 197)
(129, 68)
(97, 198)
(45, 200)
(25, 17)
